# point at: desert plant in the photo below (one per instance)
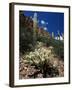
(44, 39)
(58, 47)
(26, 42)
(53, 35)
(40, 59)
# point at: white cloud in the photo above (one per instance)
(42, 22)
(45, 28)
(61, 38)
(56, 38)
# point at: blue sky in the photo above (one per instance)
(50, 21)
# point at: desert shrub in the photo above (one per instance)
(26, 42)
(57, 44)
(40, 59)
(44, 39)
(25, 33)
(58, 47)
(52, 71)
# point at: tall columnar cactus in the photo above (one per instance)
(58, 37)
(63, 36)
(53, 35)
(34, 27)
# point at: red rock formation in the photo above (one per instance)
(27, 22)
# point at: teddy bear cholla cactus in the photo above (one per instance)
(45, 60)
(39, 55)
(42, 58)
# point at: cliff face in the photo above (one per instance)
(27, 23)
(28, 36)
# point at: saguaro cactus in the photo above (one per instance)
(63, 36)
(53, 35)
(58, 37)
(34, 27)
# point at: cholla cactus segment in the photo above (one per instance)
(39, 55)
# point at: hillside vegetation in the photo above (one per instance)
(41, 56)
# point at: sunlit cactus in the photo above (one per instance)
(34, 27)
(35, 21)
(52, 34)
(63, 36)
(58, 37)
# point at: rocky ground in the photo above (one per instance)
(40, 63)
